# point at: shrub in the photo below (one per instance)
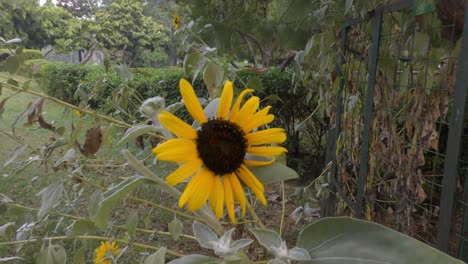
(27, 55)
(62, 80)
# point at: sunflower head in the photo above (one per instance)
(175, 21)
(105, 252)
(216, 155)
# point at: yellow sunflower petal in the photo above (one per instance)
(176, 150)
(254, 184)
(235, 108)
(258, 119)
(229, 199)
(217, 197)
(238, 191)
(177, 126)
(191, 101)
(203, 181)
(225, 101)
(258, 162)
(247, 111)
(183, 172)
(267, 136)
(266, 151)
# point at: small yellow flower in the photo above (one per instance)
(176, 21)
(105, 252)
(217, 154)
(78, 113)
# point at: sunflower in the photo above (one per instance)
(105, 252)
(176, 21)
(217, 153)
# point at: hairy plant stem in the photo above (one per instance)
(141, 230)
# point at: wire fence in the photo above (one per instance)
(399, 143)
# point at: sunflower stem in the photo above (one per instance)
(283, 208)
(254, 215)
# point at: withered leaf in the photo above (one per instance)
(44, 124)
(35, 111)
(93, 141)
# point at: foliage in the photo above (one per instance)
(79, 8)
(59, 26)
(131, 32)
(20, 19)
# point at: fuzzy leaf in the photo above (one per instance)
(135, 132)
(213, 77)
(132, 222)
(266, 238)
(50, 196)
(15, 154)
(339, 240)
(53, 254)
(157, 257)
(273, 173)
(175, 228)
(12, 64)
(205, 236)
(111, 197)
(196, 259)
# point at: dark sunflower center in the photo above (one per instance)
(221, 145)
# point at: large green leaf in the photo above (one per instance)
(346, 240)
(273, 173)
(213, 77)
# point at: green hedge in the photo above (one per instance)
(62, 80)
(27, 56)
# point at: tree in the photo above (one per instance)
(20, 19)
(79, 8)
(130, 31)
(59, 26)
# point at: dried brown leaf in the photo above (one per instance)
(93, 141)
(44, 124)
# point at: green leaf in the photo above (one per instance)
(83, 227)
(213, 77)
(347, 240)
(7, 230)
(193, 64)
(175, 228)
(256, 84)
(93, 203)
(74, 135)
(421, 7)
(204, 235)
(132, 222)
(135, 132)
(79, 256)
(15, 154)
(50, 196)
(157, 257)
(53, 254)
(266, 238)
(196, 259)
(421, 44)
(107, 135)
(12, 64)
(273, 173)
(111, 197)
(348, 5)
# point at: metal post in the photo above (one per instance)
(454, 144)
(364, 155)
